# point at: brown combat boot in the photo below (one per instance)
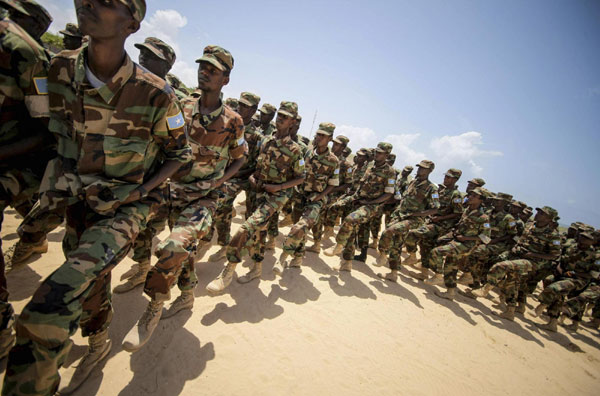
(573, 326)
(142, 331)
(374, 244)
(296, 262)
(449, 294)
(137, 279)
(184, 301)
(223, 280)
(465, 279)
(255, 272)
(316, 247)
(484, 291)
(521, 307)
(552, 325)
(435, 280)
(594, 324)
(382, 259)
(508, 314)
(539, 309)
(328, 232)
(392, 276)
(218, 255)
(17, 254)
(280, 264)
(411, 260)
(270, 244)
(287, 221)
(334, 250)
(99, 347)
(345, 265)
(423, 274)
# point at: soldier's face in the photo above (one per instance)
(265, 118)
(246, 112)
(542, 219)
(284, 122)
(105, 19)
(294, 128)
(380, 156)
(153, 63)
(321, 140)
(449, 181)
(474, 200)
(337, 148)
(211, 79)
(71, 42)
(422, 173)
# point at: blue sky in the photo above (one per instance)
(508, 91)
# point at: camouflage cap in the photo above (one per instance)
(426, 164)
(290, 109)
(30, 8)
(326, 128)
(249, 99)
(267, 108)
(588, 235)
(479, 182)
(553, 213)
(503, 197)
(482, 192)
(362, 151)
(232, 102)
(453, 172)
(71, 30)
(585, 227)
(347, 151)
(159, 48)
(392, 156)
(407, 168)
(137, 8)
(304, 139)
(384, 147)
(218, 57)
(299, 118)
(341, 139)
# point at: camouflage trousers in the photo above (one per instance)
(295, 242)
(142, 247)
(370, 228)
(191, 221)
(451, 252)
(18, 188)
(346, 235)
(512, 276)
(575, 306)
(395, 236)
(335, 211)
(426, 236)
(555, 293)
(482, 259)
(223, 216)
(78, 292)
(252, 234)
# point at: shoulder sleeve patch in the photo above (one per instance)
(435, 195)
(241, 141)
(457, 200)
(556, 242)
(486, 225)
(41, 85)
(336, 171)
(391, 181)
(349, 170)
(175, 121)
(301, 162)
(512, 223)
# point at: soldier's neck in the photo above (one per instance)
(209, 102)
(104, 58)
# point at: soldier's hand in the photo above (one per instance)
(461, 238)
(271, 188)
(133, 196)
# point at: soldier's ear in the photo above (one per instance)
(133, 26)
(226, 80)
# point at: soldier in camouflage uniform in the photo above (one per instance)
(266, 115)
(280, 167)
(216, 135)
(472, 229)
(449, 213)
(421, 199)
(503, 228)
(322, 176)
(404, 180)
(158, 58)
(273, 227)
(180, 90)
(248, 103)
(232, 103)
(26, 144)
(538, 247)
(575, 272)
(106, 174)
(24, 137)
(376, 186)
(71, 36)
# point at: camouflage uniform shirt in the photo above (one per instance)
(377, 180)
(279, 161)
(321, 171)
(418, 196)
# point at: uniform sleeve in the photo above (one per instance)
(390, 185)
(334, 180)
(457, 202)
(433, 198)
(298, 166)
(238, 147)
(32, 80)
(554, 247)
(171, 133)
(486, 229)
(511, 225)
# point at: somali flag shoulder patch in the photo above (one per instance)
(349, 170)
(41, 85)
(176, 121)
(336, 171)
(512, 223)
(391, 181)
(435, 196)
(301, 162)
(241, 141)
(556, 242)
(486, 225)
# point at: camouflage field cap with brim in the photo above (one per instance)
(426, 164)
(71, 30)
(304, 139)
(362, 151)
(326, 128)
(453, 172)
(288, 108)
(137, 8)
(553, 213)
(392, 156)
(407, 168)
(267, 108)
(503, 197)
(588, 235)
(232, 102)
(347, 151)
(159, 48)
(218, 57)
(478, 181)
(341, 139)
(299, 118)
(384, 147)
(249, 99)
(30, 8)
(482, 192)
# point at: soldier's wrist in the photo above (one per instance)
(143, 192)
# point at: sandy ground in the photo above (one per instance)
(315, 332)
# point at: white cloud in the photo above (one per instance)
(461, 149)
(405, 155)
(187, 73)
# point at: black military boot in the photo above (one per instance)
(363, 254)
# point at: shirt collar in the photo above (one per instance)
(207, 119)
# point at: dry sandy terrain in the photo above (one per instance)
(314, 332)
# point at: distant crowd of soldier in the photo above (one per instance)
(118, 151)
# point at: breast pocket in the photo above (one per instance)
(124, 159)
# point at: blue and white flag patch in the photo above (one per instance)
(556, 242)
(349, 170)
(486, 225)
(336, 171)
(301, 162)
(241, 141)
(512, 224)
(457, 200)
(392, 181)
(175, 121)
(41, 85)
(435, 196)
